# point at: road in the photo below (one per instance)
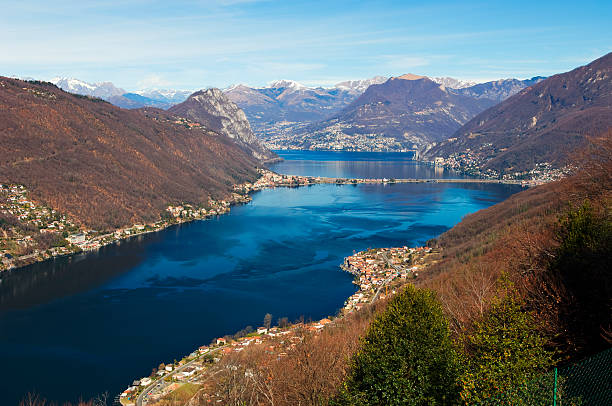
(161, 383)
(386, 281)
(352, 181)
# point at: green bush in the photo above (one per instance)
(505, 350)
(407, 356)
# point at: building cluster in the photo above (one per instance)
(22, 224)
(187, 123)
(269, 179)
(472, 162)
(197, 367)
(377, 268)
(337, 137)
(185, 211)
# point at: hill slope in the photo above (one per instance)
(284, 105)
(214, 110)
(105, 166)
(403, 112)
(542, 123)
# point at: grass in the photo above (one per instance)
(183, 393)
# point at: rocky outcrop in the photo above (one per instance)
(109, 167)
(216, 111)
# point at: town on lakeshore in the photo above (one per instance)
(32, 232)
(378, 273)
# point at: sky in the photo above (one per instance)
(193, 44)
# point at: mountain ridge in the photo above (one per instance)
(105, 166)
(542, 123)
(216, 111)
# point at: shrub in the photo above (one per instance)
(505, 349)
(407, 356)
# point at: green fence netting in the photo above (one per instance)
(585, 383)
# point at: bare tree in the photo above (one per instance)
(267, 321)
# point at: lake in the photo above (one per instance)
(94, 322)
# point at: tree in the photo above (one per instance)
(582, 263)
(267, 321)
(283, 322)
(505, 350)
(407, 356)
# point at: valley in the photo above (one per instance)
(313, 203)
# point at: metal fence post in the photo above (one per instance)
(555, 389)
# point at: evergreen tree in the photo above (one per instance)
(407, 356)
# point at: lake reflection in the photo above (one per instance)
(377, 165)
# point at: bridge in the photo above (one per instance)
(349, 181)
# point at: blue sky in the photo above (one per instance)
(191, 44)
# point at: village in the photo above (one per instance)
(31, 232)
(378, 274)
(472, 162)
(376, 269)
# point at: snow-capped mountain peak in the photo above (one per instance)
(285, 84)
(103, 90)
(454, 83)
(166, 95)
(360, 85)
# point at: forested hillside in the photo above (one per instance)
(107, 167)
(517, 289)
(543, 123)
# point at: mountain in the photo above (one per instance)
(162, 99)
(403, 112)
(216, 111)
(283, 106)
(498, 90)
(454, 83)
(102, 90)
(359, 86)
(171, 96)
(109, 167)
(541, 124)
(136, 101)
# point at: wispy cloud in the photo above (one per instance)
(193, 43)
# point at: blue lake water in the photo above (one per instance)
(92, 323)
(377, 165)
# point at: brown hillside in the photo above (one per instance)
(543, 123)
(412, 109)
(515, 238)
(107, 166)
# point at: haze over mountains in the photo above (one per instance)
(543, 123)
(287, 114)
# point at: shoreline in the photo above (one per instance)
(374, 270)
(267, 180)
(241, 195)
